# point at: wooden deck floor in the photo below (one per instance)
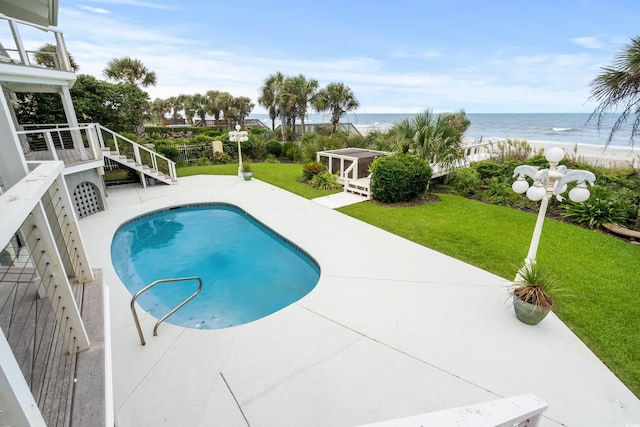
(28, 323)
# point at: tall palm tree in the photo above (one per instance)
(225, 102)
(304, 93)
(128, 70)
(199, 104)
(159, 108)
(617, 89)
(336, 98)
(212, 106)
(242, 107)
(175, 106)
(268, 95)
(184, 100)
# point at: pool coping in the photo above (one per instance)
(392, 329)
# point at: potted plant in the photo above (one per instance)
(531, 298)
(247, 171)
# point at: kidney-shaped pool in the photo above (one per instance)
(248, 271)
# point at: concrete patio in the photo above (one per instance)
(392, 329)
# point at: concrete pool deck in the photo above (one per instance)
(392, 329)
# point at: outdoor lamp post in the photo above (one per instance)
(239, 136)
(548, 183)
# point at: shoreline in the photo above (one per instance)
(597, 155)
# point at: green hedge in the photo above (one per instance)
(399, 178)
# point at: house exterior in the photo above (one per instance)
(55, 350)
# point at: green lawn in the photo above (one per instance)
(283, 175)
(601, 274)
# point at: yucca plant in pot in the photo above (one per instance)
(247, 171)
(531, 292)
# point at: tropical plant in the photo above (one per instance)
(617, 90)
(324, 180)
(268, 96)
(129, 70)
(304, 93)
(247, 167)
(338, 99)
(534, 286)
(311, 169)
(436, 139)
(159, 108)
(213, 107)
(241, 107)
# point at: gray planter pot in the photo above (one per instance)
(529, 313)
(247, 175)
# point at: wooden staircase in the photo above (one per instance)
(138, 167)
(148, 163)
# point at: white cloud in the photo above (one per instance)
(94, 9)
(588, 42)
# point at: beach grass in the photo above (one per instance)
(598, 272)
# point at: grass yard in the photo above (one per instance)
(600, 274)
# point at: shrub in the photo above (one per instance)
(311, 169)
(274, 148)
(595, 212)
(466, 181)
(399, 178)
(220, 157)
(271, 159)
(292, 151)
(324, 180)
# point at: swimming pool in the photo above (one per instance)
(248, 270)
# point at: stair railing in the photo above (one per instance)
(163, 318)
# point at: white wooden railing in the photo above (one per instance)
(13, 51)
(71, 145)
(37, 219)
(123, 146)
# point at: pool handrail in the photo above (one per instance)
(163, 318)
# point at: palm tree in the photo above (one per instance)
(159, 108)
(47, 56)
(199, 104)
(268, 96)
(336, 98)
(224, 100)
(437, 139)
(304, 93)
(185, 101)
(128, 70)
(212, 106)
(175, 106)
(617, 88)
(242, 107)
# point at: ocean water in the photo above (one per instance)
(569, 128)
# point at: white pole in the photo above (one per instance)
(537, 231)
(237, 135)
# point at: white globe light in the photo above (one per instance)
(537, 192)
(520, 185)
(555, 154)
(580, 193)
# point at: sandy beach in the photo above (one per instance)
(611, 156)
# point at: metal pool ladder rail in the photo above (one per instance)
(178, 307)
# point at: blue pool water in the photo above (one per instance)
(248, 271)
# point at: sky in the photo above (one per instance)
(400, 56)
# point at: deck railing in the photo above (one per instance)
(13, 49)
(72, 145)
(142, 155)
(41, 253)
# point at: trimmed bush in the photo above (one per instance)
(466, 181)
(274, 148)
(399, 178)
